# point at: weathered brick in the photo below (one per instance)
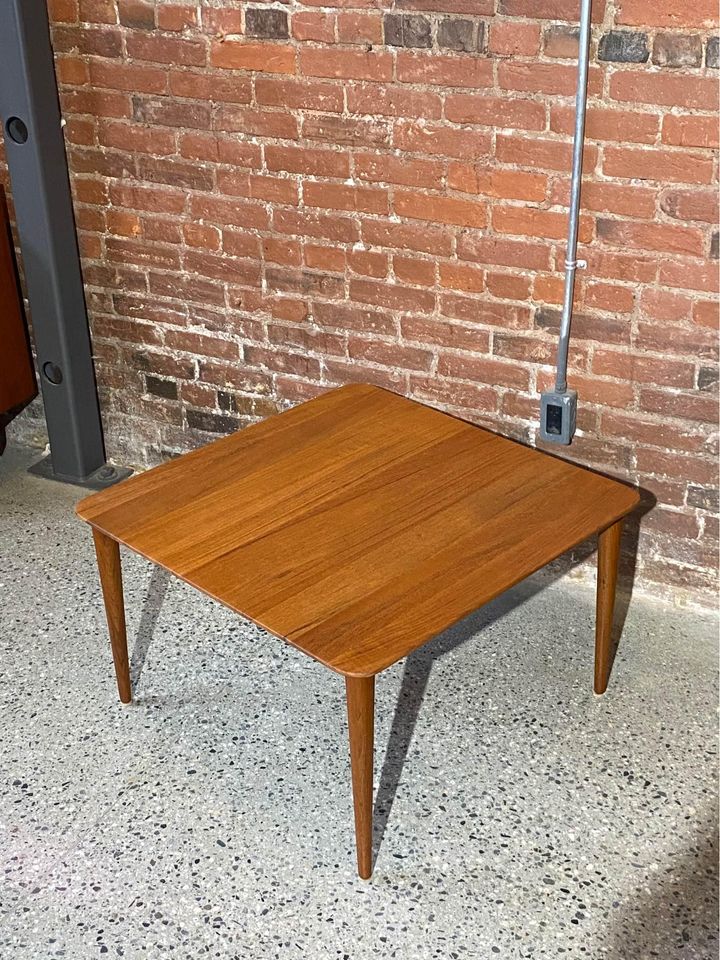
(454, 33)
(712, 53)
(677, 50)
(167, 389)
(624, 46)
(267, 22)
(211, 422)
(407, 30)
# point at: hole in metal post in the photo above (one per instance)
(16, 130)
(52, 372)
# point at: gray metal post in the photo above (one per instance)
(36, 159)
(558, 407)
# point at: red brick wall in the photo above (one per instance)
(275, 199)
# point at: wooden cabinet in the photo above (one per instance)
(17, 373)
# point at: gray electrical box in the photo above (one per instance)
(558, 412)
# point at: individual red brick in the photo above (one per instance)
(461, 276)
(123, 224)
(351, 317)
(407, 236)
(689, 276)
(158, 49)
(503, 252)
(236, 212)
(175, 173)
(530, 222)
(699, 93)
(284, 361)
(451, 393)
(273, 189)
(273, 124)
(465, 366)
(80, 130)
(652, 432)
(389, 354)
(345, 131)
(659, 237)
(131, 136)
(98, 11)
(409, 172)
(262, 57)
(96, 103)
(307, 339)
(305, 283)
(393, 101)
(623, 126)
(299, 94)
(139, 197)
(340, 197)
(321, 257)
(495, 111)
(311, 162)
(239, 243)
(312, 25)
(439, 209)
(513, 39)
(642, 369)
(368, 264)
(605, 197)
(683, 406)
(446, 71)
(131, 251)
(63, 11)
(706, 313)
(128, 76)
(136, 13)
(201, 344)
(687, 130)
(443, 333)
(287, 252)
(354, 27)
(548, 289)
(309, 223)
(670, 13)
(414, 270)
(392, 296)
(199, 85)
(508, 286)
(664, 305)
(176, 17)
(444, 141)
(472, 310)
(169, 112)
(345, 64)
(540, 154)
(72, 70)
(671, 339)
(660, 165)
(549, 9)
(552, 79)
(200, 235)
(493, 182)
(625, 267)
(608, 296)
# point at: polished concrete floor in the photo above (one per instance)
(518, 815)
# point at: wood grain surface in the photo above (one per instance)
(359, 524)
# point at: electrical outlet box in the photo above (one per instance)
(558, 413)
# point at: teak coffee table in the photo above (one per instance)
(357, 526)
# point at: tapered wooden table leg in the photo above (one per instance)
(108, 560)
(608, 557)
(361, 724)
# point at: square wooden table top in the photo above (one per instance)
(360, 524)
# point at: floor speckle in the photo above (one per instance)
(518, 815)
